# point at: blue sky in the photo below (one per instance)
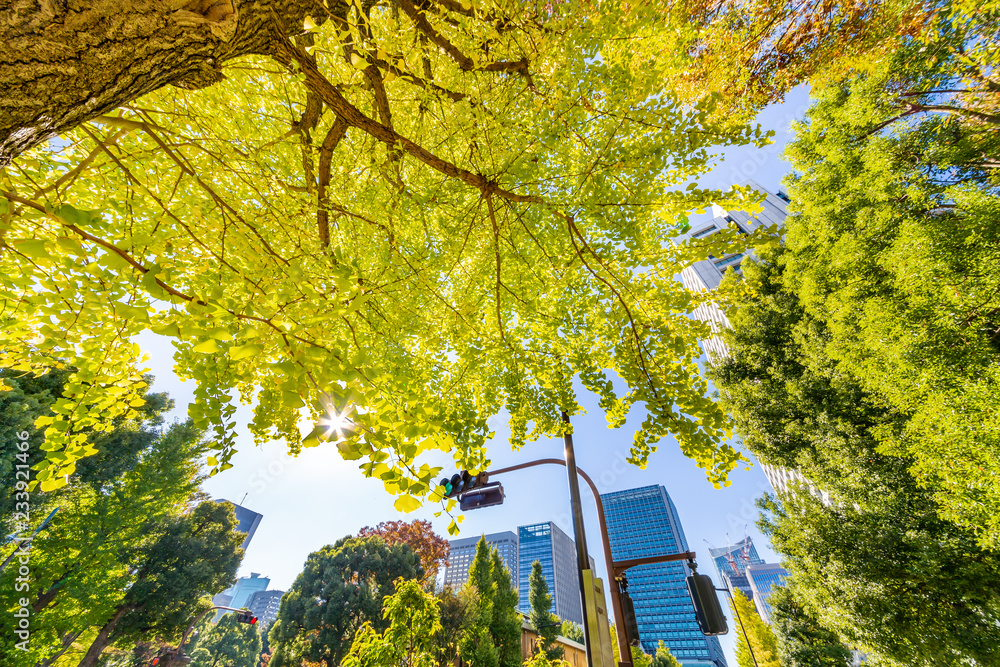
(317, 498)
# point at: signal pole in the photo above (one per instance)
(583, 559)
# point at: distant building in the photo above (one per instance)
(247, 521)
(462, 552)
(763, 579)
(786, 481)
(264, 605)
(556, 551)
(644, 522)
(238, 595)
(707, 274)
(573, 652)
(731, 563)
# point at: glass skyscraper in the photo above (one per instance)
(644, 522)
(732, 562)
(556, 551)
(763, 578)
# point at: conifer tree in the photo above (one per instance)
(477, 646)
(506, 622)
(541, 616)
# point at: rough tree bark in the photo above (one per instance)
(64, 62)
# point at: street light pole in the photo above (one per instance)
(583, 559)
(624, 651)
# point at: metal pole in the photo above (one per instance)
(616, 601)
(740, 621)
(583, 561)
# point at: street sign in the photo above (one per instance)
(596, 609)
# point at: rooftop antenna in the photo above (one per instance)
(244, 497)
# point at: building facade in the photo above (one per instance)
(247, 521)
(556, 551)
(731, 563)
(264, 605)
(574, 653)
(462, 552)
(238, 595)
(763, 579)
(644, 522)
(707, 274)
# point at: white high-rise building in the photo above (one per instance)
(707, 274)
(462, 552)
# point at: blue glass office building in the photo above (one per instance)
(763, 578)
(556, 551)
(644, 522)
(731, 563)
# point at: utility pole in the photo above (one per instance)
(583, 559)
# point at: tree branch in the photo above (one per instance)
(333, 137)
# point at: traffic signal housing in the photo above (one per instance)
(486, 496)
(246, 617)
(707, 608)
(629, 621)
(463, 482)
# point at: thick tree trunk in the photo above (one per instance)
(63, 62)
(101, 641)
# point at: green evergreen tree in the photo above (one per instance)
(506, 622)
(341, 587)
(228, 644)
(546, 623)
(477, 647)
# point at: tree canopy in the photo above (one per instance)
(877, 564)
(228, 643)
(756, 645)
(414, 215)
(341, 587)
(802, 641)
(893, 248)
(419, 536)
(114, 555)
(413, 619)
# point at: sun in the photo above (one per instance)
(337, 423)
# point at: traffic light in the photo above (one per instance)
(246, 617)
(631, 625)
(711, 620)
(462, 482)
(486, 496)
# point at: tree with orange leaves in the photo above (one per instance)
(753, 53)
(419, 536)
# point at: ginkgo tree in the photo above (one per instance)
(403, 220)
